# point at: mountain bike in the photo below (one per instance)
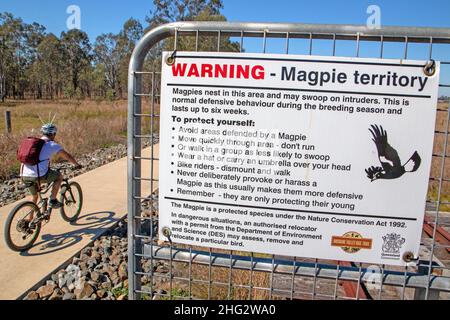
(24, 223)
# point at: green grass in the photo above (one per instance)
(177, 293)
(117, 292)
(84, 126)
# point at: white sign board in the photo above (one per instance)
(321, 157)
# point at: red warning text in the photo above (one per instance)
(226, 71)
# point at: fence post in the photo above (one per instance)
(8, 121)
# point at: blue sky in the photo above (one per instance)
(102, 16)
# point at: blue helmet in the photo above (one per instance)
(49, 129)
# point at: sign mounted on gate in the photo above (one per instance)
(320, 157)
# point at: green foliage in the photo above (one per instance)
(117, 292)
(177, 294)
(181, 10)
(110, 95)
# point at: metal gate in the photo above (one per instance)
(160, 270)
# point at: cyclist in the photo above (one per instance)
(46, 175)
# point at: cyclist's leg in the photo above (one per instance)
(57, 178)
(32, 187)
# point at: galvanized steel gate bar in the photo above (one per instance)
(142, 244)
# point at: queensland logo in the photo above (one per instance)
(392, 244)
(351, 242)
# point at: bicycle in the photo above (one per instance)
(30, 216)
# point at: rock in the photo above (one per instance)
(95, 276)
(101, 293)
(45, 291)
(68, 296)
(84, 290)
(106, 285)
(65, 290)
(115, 279)
(50, 282)
(108, 251)
(115, 260)
(32, 295)
(61, 272)
(162, 268)
(83, 266)
(80, 282)
(86, 251)
(99, 267)
(91, 263)
(73, 269)
(121, 297)
(95, 255)
(146, 265)
(110, 270)
(56, 295)
(62, 281)
(123, 271)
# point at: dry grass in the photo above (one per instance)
(84, 127)
(439, 168)
(219, 279)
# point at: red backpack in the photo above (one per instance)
(29, 150)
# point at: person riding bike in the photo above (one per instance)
(32, 175)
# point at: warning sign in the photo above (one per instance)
(321, 157)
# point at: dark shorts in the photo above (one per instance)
(31, 182)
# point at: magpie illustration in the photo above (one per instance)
(391, 167)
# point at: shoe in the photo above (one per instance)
(55, 204)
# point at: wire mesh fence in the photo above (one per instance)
(165, 270)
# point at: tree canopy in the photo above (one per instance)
(40, 65)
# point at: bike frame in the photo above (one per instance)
(44, 209)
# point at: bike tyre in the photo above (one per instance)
(8, 225)
(77, 187)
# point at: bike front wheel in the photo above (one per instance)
(20, 231)
(72, 200)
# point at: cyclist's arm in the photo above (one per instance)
(67, 156)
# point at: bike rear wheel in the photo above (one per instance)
(72, 200)
(20, 235)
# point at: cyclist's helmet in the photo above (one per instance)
(49, 129)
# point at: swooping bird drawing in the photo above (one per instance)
(391, 167)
